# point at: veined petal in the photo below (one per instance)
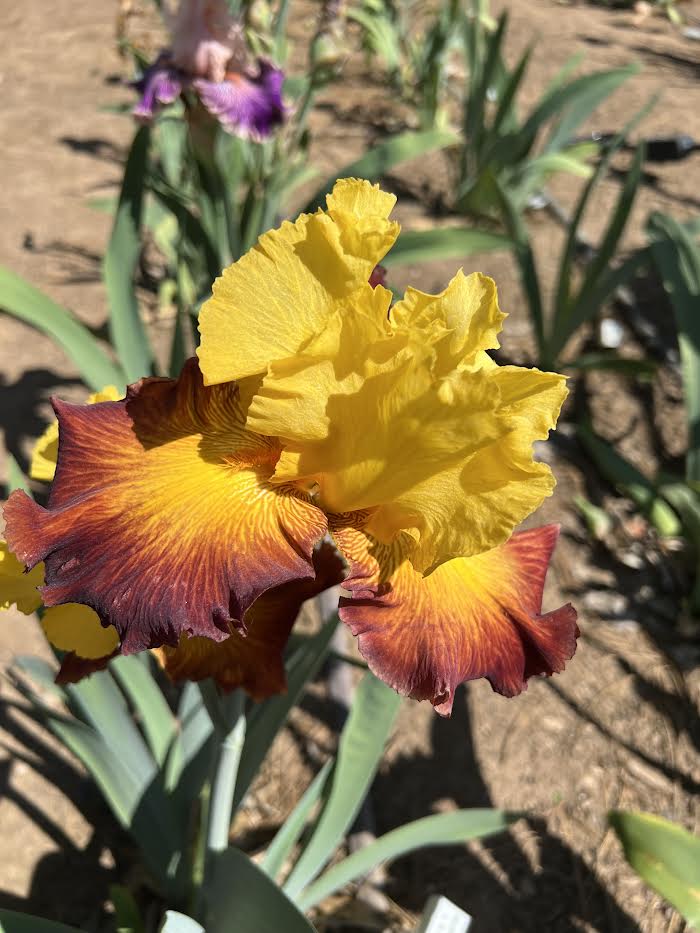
(473, 617)
(247, 105)
(161, 516)
(18, 588)
(281, 294)
(45, 453)
(254, 661)
(77, 628)
(475, 504)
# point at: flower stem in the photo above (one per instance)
(225, 773)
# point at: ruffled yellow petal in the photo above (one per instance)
(43, 465)
(18, 588)
(357, 344)
(281, 294)
(475, 504)
(463, 321)
(77, 628)
(398, 429)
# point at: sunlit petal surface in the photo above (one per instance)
(161, 516)
(473, 617)
(282, 294)
(254, 662)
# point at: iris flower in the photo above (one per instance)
(196, 514)
(208, 55)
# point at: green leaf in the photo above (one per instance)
(175, 922)
(15, 477)
(665, 855)
(383, 156)
(23, 301)
(267, 718)
(505, 110)
(686, 502)
(453, 242)
(126, 327)
(439, 830)
(292, 828)
(576, 101)
(630, 482)
(608, 246)
(126, 911)
(613, 362)
(515, 226)
(13, 922)
(571, 160)
(362, 742)
(114, 760)
(187, 767)
(152, 712)
(600, 281)
(39, 671)
(241, 898)
(100, 703)
(189, 225)
(677, 257)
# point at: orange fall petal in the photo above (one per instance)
(472, 617)
(161, 517)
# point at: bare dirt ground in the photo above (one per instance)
(619, 729)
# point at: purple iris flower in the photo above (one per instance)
(245, 104)
(161, 84)
(208, 55)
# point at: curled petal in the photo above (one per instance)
(463, 320)
(282, 294)
(472, 617)
(18, 588)
(74, 668)
(161, 84)
(246, 105)
(475, 504)
(254, 661)
(45, 453)
(161, 517)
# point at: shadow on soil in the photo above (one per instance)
(70, 884)
(20, 402)
(500, 889)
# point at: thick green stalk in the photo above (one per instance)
(224, 779)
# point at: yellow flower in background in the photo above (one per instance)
(70, 627)
(318, 408)
(18, 588)
(45, 453)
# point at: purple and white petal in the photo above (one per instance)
(160, 84)
(247, 105)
